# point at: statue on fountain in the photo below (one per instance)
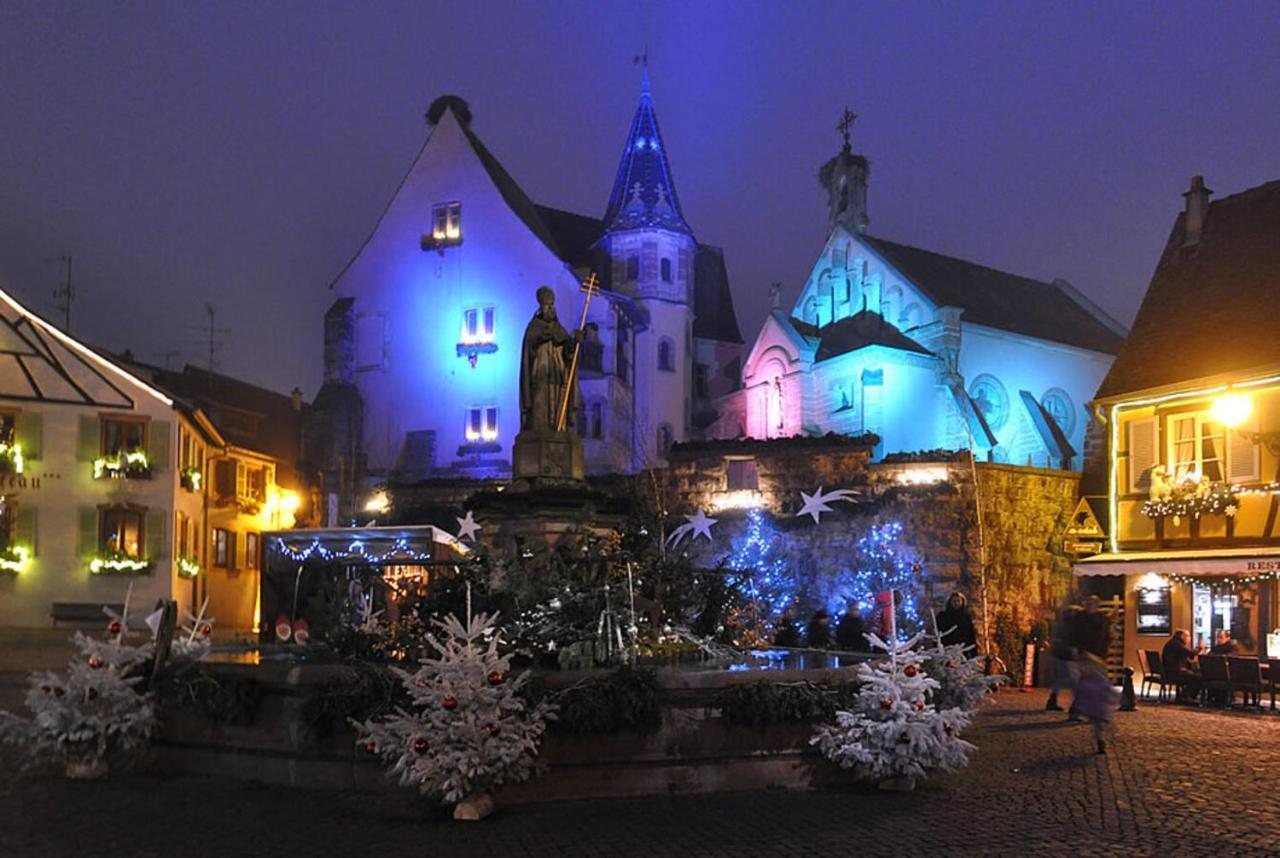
(547, 447)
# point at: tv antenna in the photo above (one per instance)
(65, 294)
(215, 335)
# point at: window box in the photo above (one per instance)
(14, 558)
(118, 563)
(191, 479)
(130, 464)
(188, 568)
(11, 461)
(471, 351)
(475, 448)
(1190, 499)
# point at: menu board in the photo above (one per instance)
(1154, 613)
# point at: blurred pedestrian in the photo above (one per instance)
(1063, 650)
(1096, 697)
(851, 628)
(787, 634)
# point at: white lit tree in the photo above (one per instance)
(468, 729)
(894, 733)
(95, 709)
(962, 679)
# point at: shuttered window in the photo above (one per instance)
(1143, 453)
(1242, 456)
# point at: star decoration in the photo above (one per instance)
(817, 503)
(698, 525)
(468, 527)
(1230, 511)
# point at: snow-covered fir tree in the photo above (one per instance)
(962, 680)
(94, 709)
(894, 730)
(468, 729)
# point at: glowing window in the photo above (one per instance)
(121, 530)
(1197, 447)
(477, 325)
(446, 223)
(666, 355)
(122, 435)
(482, 424)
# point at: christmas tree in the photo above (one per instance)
(94, 709)
(196, 635)
(468, 729)
(894, 731)
(879, 565)
(962, 679)
(761, 576)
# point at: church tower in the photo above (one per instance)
(844, 178)
(650, 250)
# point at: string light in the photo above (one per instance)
(769, 583)
(399, 550)
(112, 563)
(15, 558)
(188, 568)
(13, 452)
(121, 464)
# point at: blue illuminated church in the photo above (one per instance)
(925, 350)
(422, 341)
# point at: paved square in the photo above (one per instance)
(1176, 782)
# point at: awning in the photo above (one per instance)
(1222, 561)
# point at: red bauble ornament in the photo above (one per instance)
(420, 745)
(58, 692)
(951, 664)
(206, 629)
(421, 683)
(95, 662)
(370, 748)
(886, 704)
(449, 703)
(910, 670)
(495, 678)
(114, 627)
(916, 567)
(948, 728)
(919, 705)
(46, 689)
(493, 729)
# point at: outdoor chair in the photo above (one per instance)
(1152, 674)
(1215, 678)
(1273, 678)
(1246, 678)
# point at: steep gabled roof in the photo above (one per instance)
(39, 363)
(713, 314)
(575, 235)
(644, 194)
(1008, 302)
(855, 332)
(1212, 307)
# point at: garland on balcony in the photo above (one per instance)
(118, 563)
(1192, 500)
(126, 463)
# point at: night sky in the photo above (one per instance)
(240, 153)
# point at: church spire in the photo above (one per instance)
(644, 194)
(844, 178)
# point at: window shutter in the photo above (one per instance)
(1143, 453)
(24, 528)
(231, 550)
(241, 480)
(156, 519)
(30, 434)
(88, 530)
(1242, 458)
(90, 443)
(158, 444)
(224, 478)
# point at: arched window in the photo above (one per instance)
(890, 303)
(665, 439)
(666, 355)
(1058, 403)
(666, 270)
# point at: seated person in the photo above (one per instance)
(1224, 644)
(818, 633)
(850, 628)
(1178, 660)
(787, 634)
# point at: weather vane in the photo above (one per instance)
(845, 123)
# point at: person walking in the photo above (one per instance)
(1095, 698)
(1064, 651)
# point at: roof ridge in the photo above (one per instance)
(981, 265)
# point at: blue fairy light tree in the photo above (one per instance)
(761, 575)
(879, 563)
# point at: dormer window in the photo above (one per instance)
(446, 224)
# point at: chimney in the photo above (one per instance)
(1197, 211)
(295, 397)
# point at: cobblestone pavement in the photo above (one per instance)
(1177, 782)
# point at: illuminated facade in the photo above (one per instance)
(1192, 410)
(422, 345)
(927, 351)
(91, 484)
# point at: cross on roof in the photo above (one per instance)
(845, 123)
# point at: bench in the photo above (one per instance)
(81, 612)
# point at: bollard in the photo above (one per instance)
(1128, 699)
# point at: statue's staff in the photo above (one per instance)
(590, 287)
